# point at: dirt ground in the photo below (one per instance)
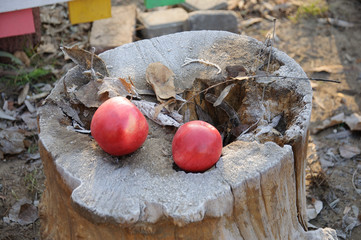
(326, 49)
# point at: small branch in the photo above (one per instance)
(251, 77)
(298, 78)
(273, 38)
(191, 60)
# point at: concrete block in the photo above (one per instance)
(163, 22)
(195, 5)
(213, 20)
(115, 31)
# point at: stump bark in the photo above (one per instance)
(255, 191)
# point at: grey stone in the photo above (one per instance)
(213, 20)
(158, 23)
(195, 5)
(115, 31)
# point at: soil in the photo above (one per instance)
(306, 39)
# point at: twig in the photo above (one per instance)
(191, 60)
(298, 78)
(251, 77)
(273, 38)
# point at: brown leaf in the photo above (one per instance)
(23, 212)
(236, 70)
(23, 57)
(117, 87)
(83, 58)
(161, 78)
(88, 93)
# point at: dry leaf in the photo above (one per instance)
(235, 71)
(223, 95)
(3, 115)
(87, 94)
(30, 120)
(83, 58)
(314, 209)
(348, 151)
(161, 78)
(11, 141)
(24, 92)
(114, 87)
(148, 109)
(23, 212)
(334, 120)
(354, 122)
(23, 57)
(30, 106)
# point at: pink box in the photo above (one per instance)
(16, 23)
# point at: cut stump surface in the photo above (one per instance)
(255, 191)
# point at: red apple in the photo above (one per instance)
(196, 146)
(119, 127)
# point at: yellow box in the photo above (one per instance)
(81, 11)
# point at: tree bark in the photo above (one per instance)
(255, 191)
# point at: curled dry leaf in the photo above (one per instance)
(148, 109)
(83, 58)
(161, 78)
(95, 92)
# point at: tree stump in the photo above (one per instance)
(255, 191)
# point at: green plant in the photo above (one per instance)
(311, 8)
(33, 148)
(31, 181)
